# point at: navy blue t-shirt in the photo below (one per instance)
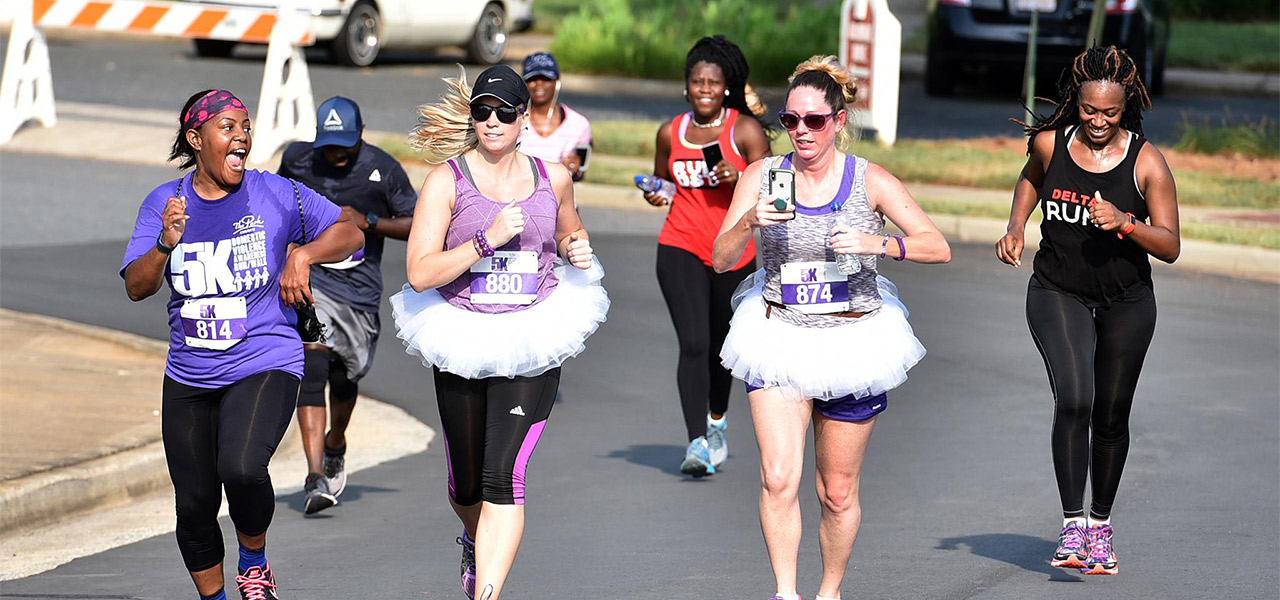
(373, 183)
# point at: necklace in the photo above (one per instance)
(715, 123)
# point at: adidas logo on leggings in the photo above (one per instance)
(517, 411)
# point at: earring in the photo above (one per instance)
(726, 92)
(685, 91)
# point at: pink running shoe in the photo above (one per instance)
(257, 584)
(1102, 557)
(1072, 549)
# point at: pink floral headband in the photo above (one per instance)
(209, 106)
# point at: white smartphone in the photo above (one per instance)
(782, 190)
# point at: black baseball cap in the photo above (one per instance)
(501, 82)
(338, 123)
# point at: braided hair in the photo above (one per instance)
(718, 50)
(181, 148)
(1095, 64)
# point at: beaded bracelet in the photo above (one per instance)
(902, 249)
(884, 246)
(482, 244)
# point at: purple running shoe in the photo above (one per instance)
(468, 565)
(1072, 547)
(1102, 557)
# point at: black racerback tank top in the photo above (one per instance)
(1075, 256)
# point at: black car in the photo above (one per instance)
(991, 36)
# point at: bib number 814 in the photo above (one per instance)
(503, 283)
(207, 330)
(813, 293)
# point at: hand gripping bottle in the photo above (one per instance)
(847, 264)
(653, 184)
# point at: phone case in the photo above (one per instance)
(782, 185)
(712, 155)
(584, 153)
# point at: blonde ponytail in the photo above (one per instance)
(754, 103)
(444, 128)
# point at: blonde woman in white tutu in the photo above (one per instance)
(814, 339)
(491, 307)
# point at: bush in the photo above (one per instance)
(1225, 10)
(650, 38)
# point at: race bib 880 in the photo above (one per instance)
(507, 277)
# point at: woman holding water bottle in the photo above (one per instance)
(813, 341)
(703, 150)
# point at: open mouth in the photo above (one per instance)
(236, 159)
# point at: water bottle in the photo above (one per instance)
(652, 184)
(847, 264)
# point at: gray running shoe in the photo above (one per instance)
(318, 495)
(717, 441)
(335, 470)
(697, 459)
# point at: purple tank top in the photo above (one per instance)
(520, 273)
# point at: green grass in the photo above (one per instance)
(1253, 46)
(1262, 237)
(1257, 139)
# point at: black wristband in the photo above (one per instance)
(161, 247)
(373, 221)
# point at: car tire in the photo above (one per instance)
(938, 77)
(214, 48)
(489, 42)
(360, 38)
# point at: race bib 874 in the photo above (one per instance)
(507, 277)
(815, 287)
(214, 323)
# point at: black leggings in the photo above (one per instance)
(698, 300)
(216, 438)
(1094, 357)
(491, 427)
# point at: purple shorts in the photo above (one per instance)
(847, 408)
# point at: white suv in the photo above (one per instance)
(357, 30)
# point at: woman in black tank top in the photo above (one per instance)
(1108, 201)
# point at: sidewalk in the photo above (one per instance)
(80, 434)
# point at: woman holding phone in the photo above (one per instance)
(703, 151)
(555, 133)
(815, 343)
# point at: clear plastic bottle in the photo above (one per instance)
(847, 264)
(652, 184)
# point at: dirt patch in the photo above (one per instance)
(1262, 169)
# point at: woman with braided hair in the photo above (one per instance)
(1109, 201)
(697, 297)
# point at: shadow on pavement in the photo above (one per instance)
(352, 493)
(663, 457)
(1029, 553)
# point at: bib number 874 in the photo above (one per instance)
(503, 283)
(813, 293)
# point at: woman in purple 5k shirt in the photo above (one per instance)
(219, 238)
(491, 307)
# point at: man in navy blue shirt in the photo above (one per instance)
(374, 193)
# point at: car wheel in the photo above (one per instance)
(214, 48)
(489, 42)
(360, 38)
(938, 77)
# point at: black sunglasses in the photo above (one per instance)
(506, 114)
(791, 120)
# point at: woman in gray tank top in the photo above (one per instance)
(817, 334)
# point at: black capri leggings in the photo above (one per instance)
(698, 300)
(217, 438)
(1094, 357)
(491, 427)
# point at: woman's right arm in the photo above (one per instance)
(429, 264)
(1026, 194)
(661, 153)
(144, 276)
(747, 212)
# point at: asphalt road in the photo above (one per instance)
(958, 492)
(161, 74)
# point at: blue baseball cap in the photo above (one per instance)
(338, 123)
(541, 64)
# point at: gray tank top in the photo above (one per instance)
(800, 271)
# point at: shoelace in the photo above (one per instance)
(1073, 537)
(254, 583)
(1100, 542)
(468, 551)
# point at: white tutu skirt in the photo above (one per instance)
(868, 356)
(521, 343)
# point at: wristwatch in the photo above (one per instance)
(372, 219)
(1128, 227)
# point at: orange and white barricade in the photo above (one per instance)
(286, 108)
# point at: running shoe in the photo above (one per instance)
(1072, 547)
(697, 459)
(717, 442)
(1102, 557)
(335, 470)
(468, 565)
(318, 495)
(257, 584)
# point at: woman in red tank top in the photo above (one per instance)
(725, 117)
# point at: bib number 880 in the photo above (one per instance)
(503, 283)
(813, 293)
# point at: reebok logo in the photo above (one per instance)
(333, 121)
(517, 411)
(375, 176)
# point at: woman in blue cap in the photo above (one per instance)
(555, 132)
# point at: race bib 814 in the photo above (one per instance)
(214, 323)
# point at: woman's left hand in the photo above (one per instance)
(579, 252)
(295, 279)
(847, 240)
(1105, 214)
(724, 172)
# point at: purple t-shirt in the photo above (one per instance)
(226, 318)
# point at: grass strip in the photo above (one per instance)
(1218, 45)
